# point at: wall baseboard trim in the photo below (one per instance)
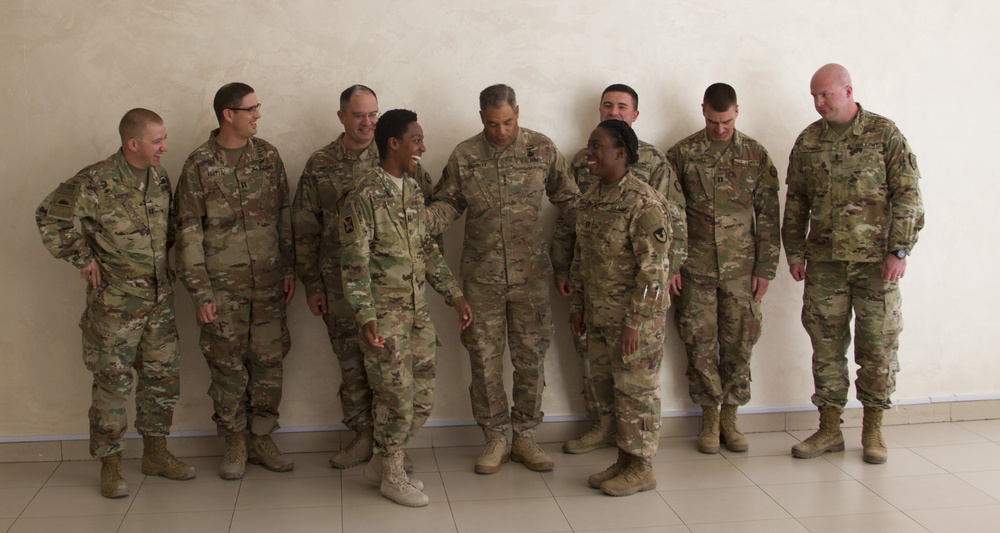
(303, 439)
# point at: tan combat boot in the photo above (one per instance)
(357, 451)
(396, 486)
(113, 484)
(708, 437)
(262, 451)
(827, 439)
(600, 435)
(874, 451)
(158, 461)
(624, 459)
(527, 452)
(637, 477)
(373, 471)
(731, 435)
(494, 455)
(234, 463)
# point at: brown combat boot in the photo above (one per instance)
(731, 435)
(234, 462)
(526, 451)
(262, 451)
(357, 451)
(874, 451)
(624, 459)
(158, 461)
(827, 439)
(494, 455)
(373, 471)
(708, 437)
(637, 477)
(113, 484)
(600, 435)
(396, 486)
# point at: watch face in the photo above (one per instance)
(901, 254)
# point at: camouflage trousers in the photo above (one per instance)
(402, 377)
(521, 314)
(245, 347)
(591, 397)
(634, 382)
(833, 290)
(122, 333)
(719, 322)
(355, 393)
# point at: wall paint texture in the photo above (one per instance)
(71, 69)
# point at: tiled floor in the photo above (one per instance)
(939, 478)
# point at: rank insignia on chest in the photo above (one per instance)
(349, 225)
(661, 235)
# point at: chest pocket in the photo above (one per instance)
(817, 165)
(524, 179)
(386, 234)
(741, 182)
(865, 164)
(605, 237)
(480, 186)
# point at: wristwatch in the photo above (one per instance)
(899, 253)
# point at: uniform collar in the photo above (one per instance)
(342, 152)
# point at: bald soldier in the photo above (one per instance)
(498, 178)
(235, 256)
(112, 222)
(329, 174)
(852, 214)
(731, 192)
(618, 102)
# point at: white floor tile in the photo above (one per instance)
(199, 522)
(928, 492)
(600, 511)
(966, 519)
(534, 515)
(733, 504)
(827, 498)
(300, 520)
(891, 522)
(62, 524)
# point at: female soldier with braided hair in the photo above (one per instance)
(619, 281)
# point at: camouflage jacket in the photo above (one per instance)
(857, 194)
(234, 229)
(652, 168)
(122, 225)
(504, 237)
(620, 273)
(732, 207)
(388, 254)
(329, 174)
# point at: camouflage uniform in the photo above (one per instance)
(732, 218)
(329, 174)
(504, 265)
(620, 277)
(234, 248)
(652, 168)
(129, 321)
(858, 193)
(387, 256)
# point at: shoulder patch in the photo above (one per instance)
(913, 161)
(774, 172)
(677, 185)
(660, 235)
(63, 201)
(348, 225)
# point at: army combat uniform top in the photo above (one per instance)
(653, 168)
(732, 221)
(853, 198)
(234, 248)
(388, 256)
(121, 220)
(620, 277)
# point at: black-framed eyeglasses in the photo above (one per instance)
(250, 109)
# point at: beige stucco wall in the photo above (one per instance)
(70, 69)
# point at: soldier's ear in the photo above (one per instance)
(132, 145)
